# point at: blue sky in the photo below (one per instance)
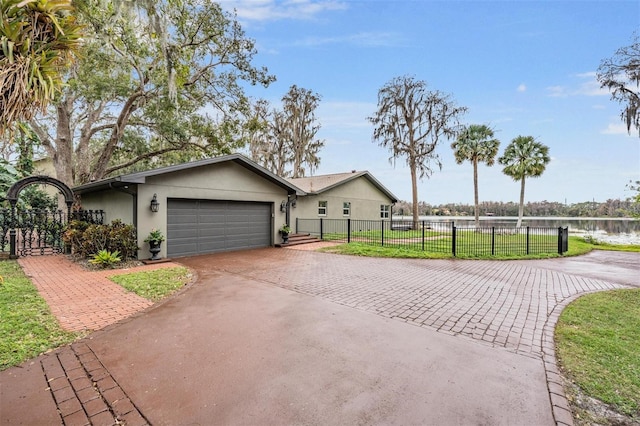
(524, 68)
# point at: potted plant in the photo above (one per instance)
(284, 233)
(154, 239)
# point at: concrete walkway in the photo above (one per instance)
(297, 337)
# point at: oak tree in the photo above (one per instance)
(410, 121)
(621, 75)
(118, 111)
(287, 137)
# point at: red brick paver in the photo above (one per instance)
(515, 305)
(84, 391)
(83, 300)
(499, 303)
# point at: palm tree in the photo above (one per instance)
(38, 39)
(476, 144)
(524, 157)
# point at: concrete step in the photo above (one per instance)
(296, 239)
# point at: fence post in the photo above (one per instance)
(563, 240)
(349, 230)
(493, 241)
(423, 235)
(321, 229)
(453, 238)
(382, 233)
(527, 239)
(12, 234)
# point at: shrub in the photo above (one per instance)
(94, 239)
(105, 258)
(123, 238)
(87, 239)
(73, 235)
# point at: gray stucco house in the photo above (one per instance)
(354, 195)
(227, 203)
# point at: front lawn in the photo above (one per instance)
(27, 327)
(577, 246)
(598, 339)
(154, 285)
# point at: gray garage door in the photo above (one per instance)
(206, 226)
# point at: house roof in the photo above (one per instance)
(140, 177)
(322, 183)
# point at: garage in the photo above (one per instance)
(210, 226)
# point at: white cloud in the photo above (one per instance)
(273, 10)
(557, 92)
(345, 115)
(615, 129)
(588, 74)
(587, 85)
(365, 39)
(592, 88)
(522, 88)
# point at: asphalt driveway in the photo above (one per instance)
(296, 337)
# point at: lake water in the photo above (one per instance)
(614, 230)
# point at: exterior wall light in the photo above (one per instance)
(283, 206)
(155, 205)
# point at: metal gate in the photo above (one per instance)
(30, 232)
(39, 232)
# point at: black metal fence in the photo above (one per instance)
(39, 231)
(441, 236)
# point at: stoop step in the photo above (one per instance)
(297, 239)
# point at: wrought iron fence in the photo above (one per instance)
(440, 237)
(39, 231)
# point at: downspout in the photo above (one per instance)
(135, 202)
(291, 202)
(287, 212)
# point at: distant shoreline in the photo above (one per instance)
(510, 218)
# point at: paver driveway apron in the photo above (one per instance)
(499, 302)
(286, 336)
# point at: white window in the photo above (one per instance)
(322, 208)
(346, 209)
(385, 211)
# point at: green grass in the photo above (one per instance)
(439, 249)
(27, 327)
(598, 338)
(154, 285)
(361, 249)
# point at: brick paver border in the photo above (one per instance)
(84, 391)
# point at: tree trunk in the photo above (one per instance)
(521, 207)
(99, 169)
(63, 151)
(84, 158)
(414, 190)
(475, 191)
